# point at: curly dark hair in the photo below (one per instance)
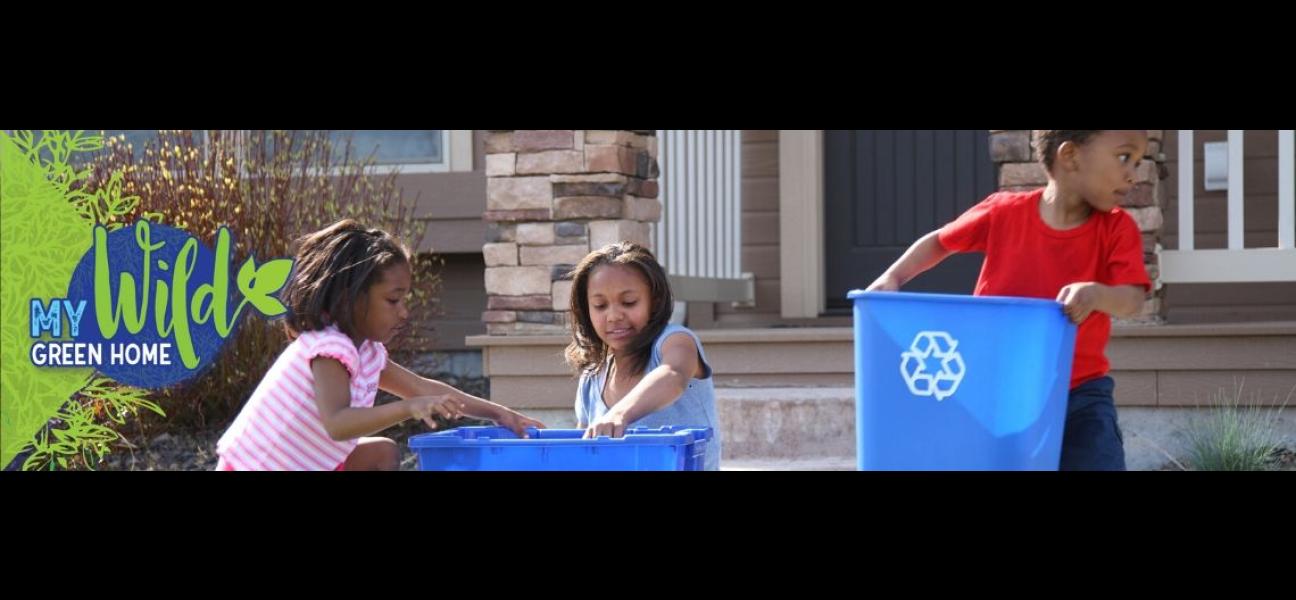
(1047, 142)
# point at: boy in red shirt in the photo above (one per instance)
(1067, 241)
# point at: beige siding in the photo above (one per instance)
(452, 204)
(1223, 303)
(760, 230)
(463, 298)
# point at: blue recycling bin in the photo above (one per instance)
(948, 382)
(671, 448)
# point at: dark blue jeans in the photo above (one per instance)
(1092, 440)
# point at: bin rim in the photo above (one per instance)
(674, 435)
(951, 298)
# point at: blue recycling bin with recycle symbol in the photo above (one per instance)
(950, 382)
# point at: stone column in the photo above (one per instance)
(551, 197)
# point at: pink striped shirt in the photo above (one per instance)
(279, 429)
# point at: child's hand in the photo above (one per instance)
(610, 424)
(886, 283)
(424, 407)
(1079, 300)
(517, 422)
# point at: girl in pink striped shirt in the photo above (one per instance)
(313, 408)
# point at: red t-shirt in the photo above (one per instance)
(1027, 258)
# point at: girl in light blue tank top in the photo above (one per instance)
(636, 369)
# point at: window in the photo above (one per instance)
(407, 150)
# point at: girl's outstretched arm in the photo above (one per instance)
(402, 382)
(658, 388)
(344, 422)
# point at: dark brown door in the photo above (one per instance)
(886, 188)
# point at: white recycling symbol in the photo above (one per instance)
(914, 363)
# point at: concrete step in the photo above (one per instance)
(781, 423)
(772, 464)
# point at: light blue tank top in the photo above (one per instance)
(695, 408)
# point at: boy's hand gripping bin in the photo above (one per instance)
(673, 448)
(945, 382)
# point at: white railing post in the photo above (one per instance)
(1287, 189)
(1236, 263)
(1236, 163)
(1186, 189)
